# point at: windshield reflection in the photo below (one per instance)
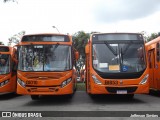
(4, 64)
(45, 58)
(116, 58)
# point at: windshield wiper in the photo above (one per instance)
(55, 47)
(112, 50)
(123, 52)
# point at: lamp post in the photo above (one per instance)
(55, 28)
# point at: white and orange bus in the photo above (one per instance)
(116, 64)
(7, 69)
(153, 52)
(46, 65)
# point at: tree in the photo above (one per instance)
(80, 40)
(152, 36)
(8, 1)
(16, 38)
(1, 43)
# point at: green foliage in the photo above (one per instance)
(16, 38)
(7, 0)
(1, 43)
(151, 37)
(80, 40)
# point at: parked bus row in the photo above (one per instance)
(45, 64)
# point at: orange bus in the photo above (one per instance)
(7, 69)
(116, 64)
(46, 65)
(153, 52)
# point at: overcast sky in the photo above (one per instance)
(71, 16)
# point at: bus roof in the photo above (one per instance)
(46, 37)
(153, 41)
(45, 34)
(116, 36)
(116, 33)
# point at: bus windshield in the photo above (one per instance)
(45, 58)
(4, 64)
(117, 58)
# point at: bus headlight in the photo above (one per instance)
(4, 83)
(96, 80)
(144, 80)
(64, 83)
(21, 82)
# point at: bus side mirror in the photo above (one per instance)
(87, 49)
(77, 55)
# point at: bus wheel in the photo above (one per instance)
(130, 96)
(35, 97)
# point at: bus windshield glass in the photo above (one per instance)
(4, 64)
(117, 58)
(45, 58)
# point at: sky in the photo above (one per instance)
(71, 16)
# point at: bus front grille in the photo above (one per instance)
(115, 89)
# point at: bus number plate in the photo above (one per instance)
(31, 82)
(111, 82)
(121, 91)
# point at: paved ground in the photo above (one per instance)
(81, 102)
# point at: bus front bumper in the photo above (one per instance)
(58, 90)
(129, 89)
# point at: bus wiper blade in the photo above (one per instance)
(55, 47)
(112, 50)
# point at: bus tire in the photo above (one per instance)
(35, 97)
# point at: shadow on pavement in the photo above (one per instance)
(50, 100)
(115, 99)
(154, 93)
(7, 96)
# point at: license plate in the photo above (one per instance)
(121, 91)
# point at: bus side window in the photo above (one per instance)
(158, 52)
(149, 60)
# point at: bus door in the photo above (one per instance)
(152, 73)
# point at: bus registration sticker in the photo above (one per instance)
(114, 67)
(29, 82)
(121, 91)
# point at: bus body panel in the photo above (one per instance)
(153, 52)
(9, 80)
(47, 82)
(127, 84)
(132, 85)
